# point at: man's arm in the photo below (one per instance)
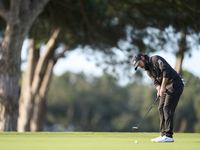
(163, 88)
(155, 81)
(166, 73)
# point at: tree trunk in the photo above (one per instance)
(35, 83)
(19, 18)
(9, 76)
(181, 50)
(27, 79)
(37, 119)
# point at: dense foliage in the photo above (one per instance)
(127, 25)
(77, 102)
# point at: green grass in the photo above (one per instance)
(94, 141)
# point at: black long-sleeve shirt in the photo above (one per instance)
(159, 69)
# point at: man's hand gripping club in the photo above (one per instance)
(161, 90)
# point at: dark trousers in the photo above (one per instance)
(167, 106)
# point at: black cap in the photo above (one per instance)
(135, 59)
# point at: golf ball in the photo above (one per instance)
(136, 142)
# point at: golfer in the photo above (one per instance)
(169, 87)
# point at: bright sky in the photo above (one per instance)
(76, 62)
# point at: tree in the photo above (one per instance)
(19, 16)
(79, 31)
(90, 103)
(99, 25)
(34, 86)
(181, 16)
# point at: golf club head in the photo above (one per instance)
(135, 128)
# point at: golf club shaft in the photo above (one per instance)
(148, 111)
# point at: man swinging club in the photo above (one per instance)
(169, 87)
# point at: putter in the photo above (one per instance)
(136, 128)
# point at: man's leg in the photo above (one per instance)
(162, 119)
(171, 101)
(161, 114)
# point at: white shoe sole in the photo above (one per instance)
(165, 139)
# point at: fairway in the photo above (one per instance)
(94, 141)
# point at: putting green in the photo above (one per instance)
(94, 141)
